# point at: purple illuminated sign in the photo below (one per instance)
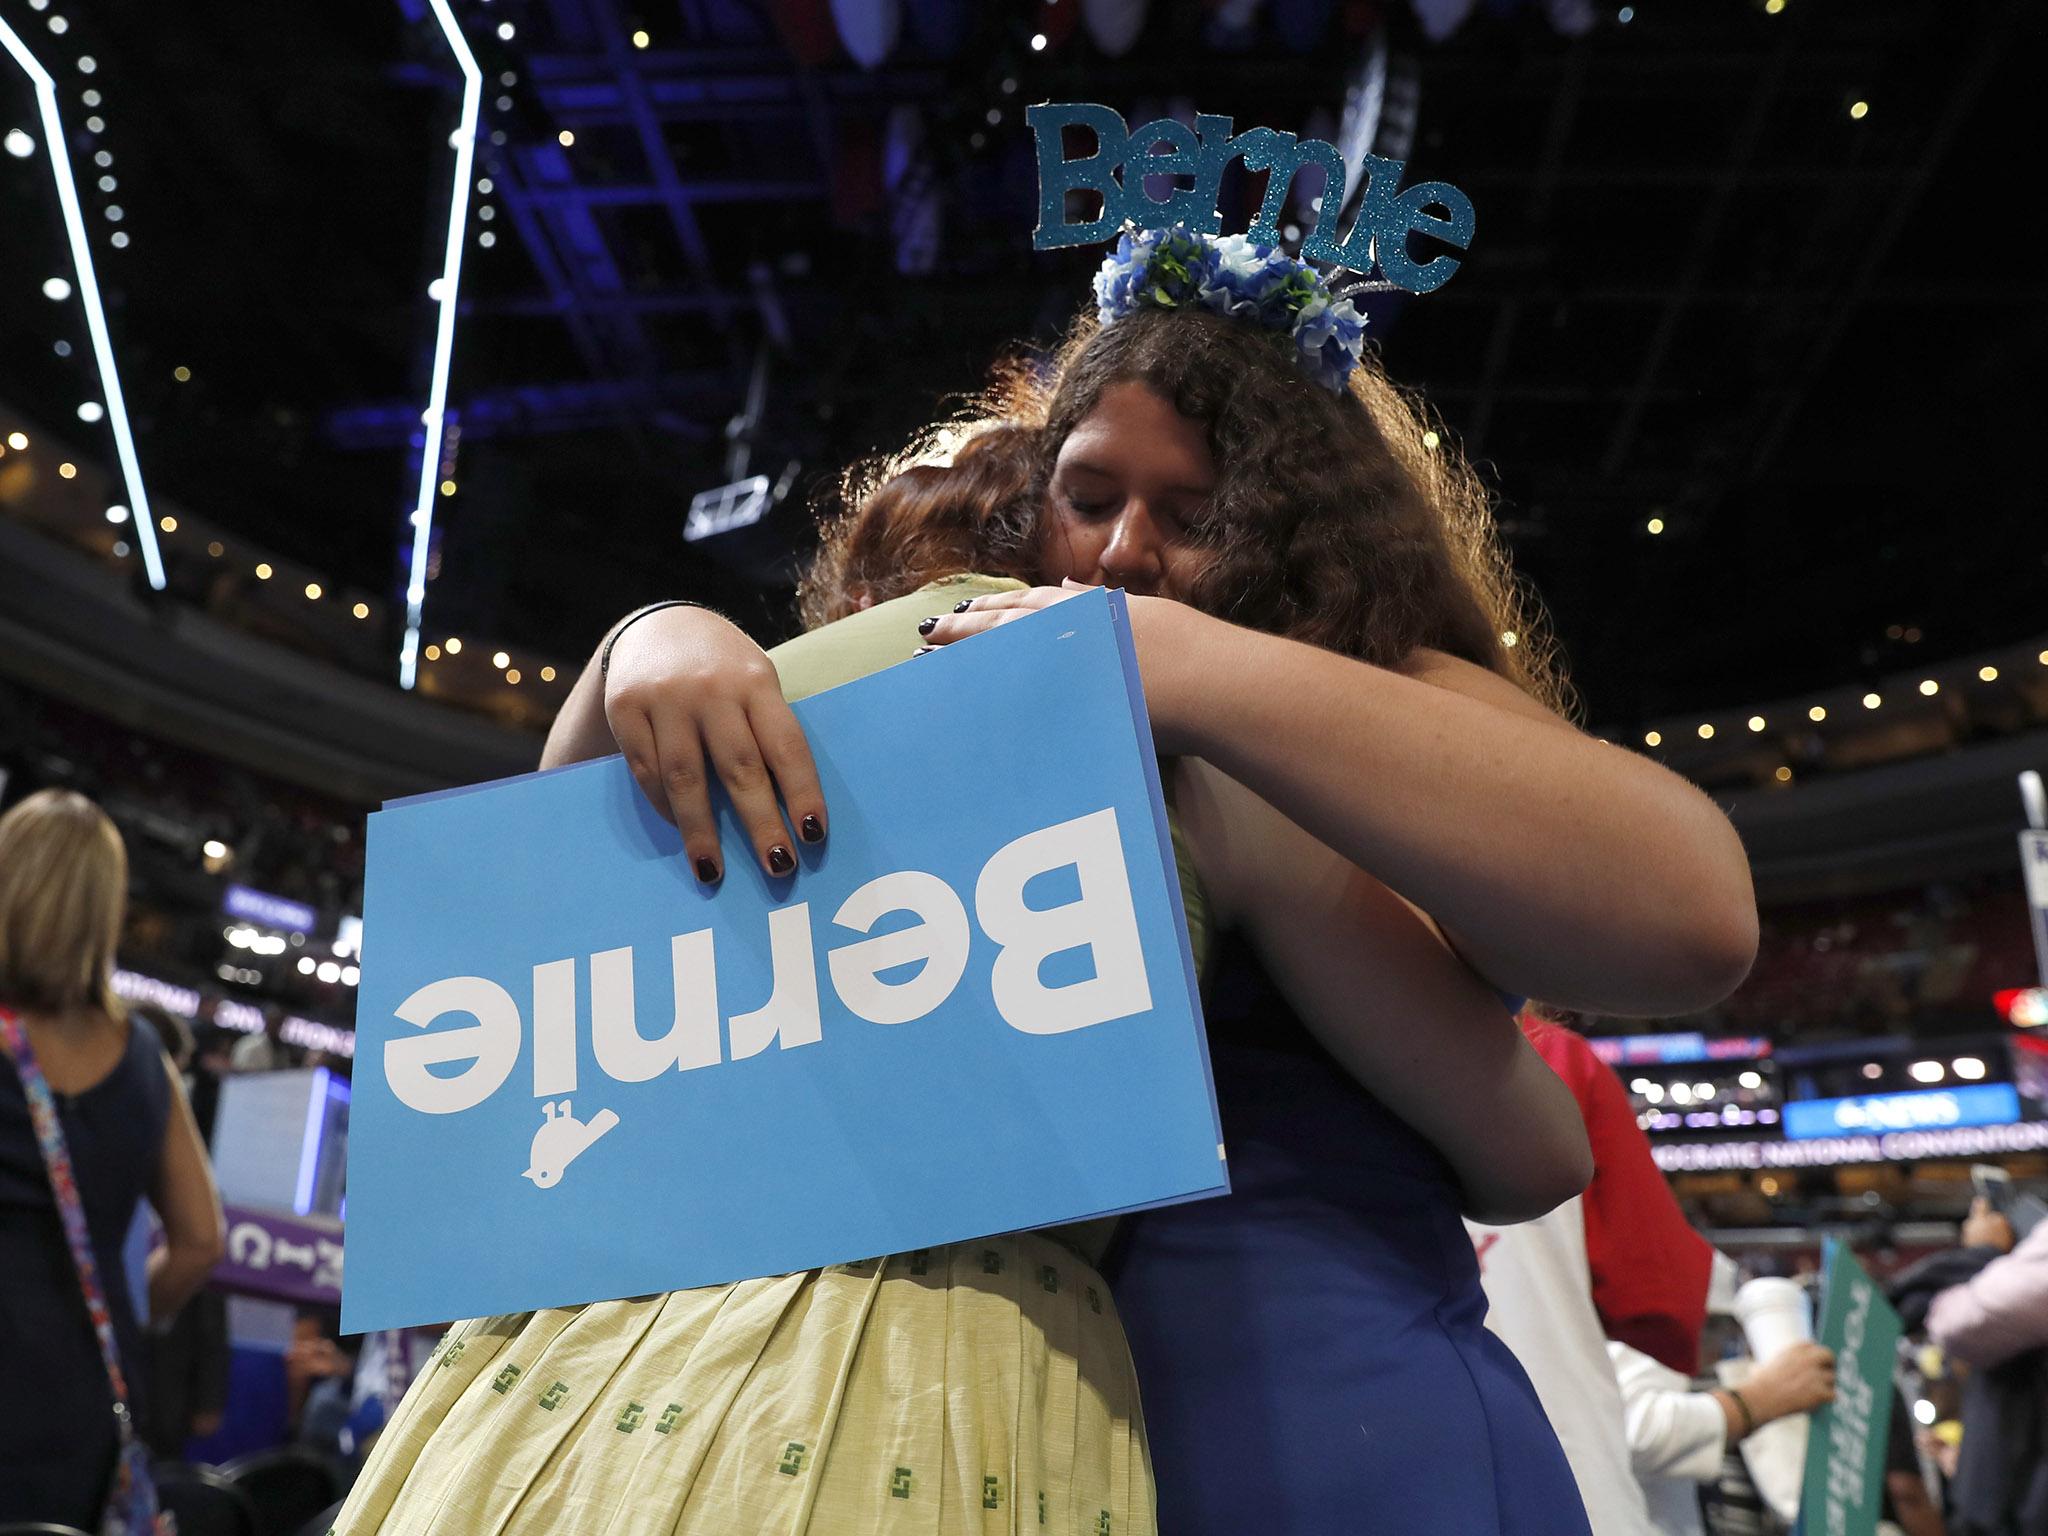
(254, 906)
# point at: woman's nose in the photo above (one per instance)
(1135, 548)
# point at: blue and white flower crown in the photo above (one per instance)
(1181, 268)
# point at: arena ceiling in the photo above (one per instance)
(1702, 291)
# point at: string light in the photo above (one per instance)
(641, 39)
(512, 676)
(1653, 738)
(565, 138)
(453, 647)
(1706, 731)
(547, 674)
(312, 591)
(1654, 526)
(1859, 110)
(447, 487)
(1987, 674)
(1038, 41)
(1756, 722)
(501, 660)
(1871, 701)
(1929, 687)
(434, 417)
(17, 441)
(263, 571)
(1816, 714)
(167, 524)
(361, 610)
(433, 653)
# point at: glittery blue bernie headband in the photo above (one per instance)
(1179, 268)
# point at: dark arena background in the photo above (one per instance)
(1747, 346)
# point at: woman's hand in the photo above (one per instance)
(688, 694)
(1161, 630)
(1799, 1379)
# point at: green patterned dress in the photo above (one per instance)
(981, 1387)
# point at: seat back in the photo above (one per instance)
(288, 1487)
(204, 1502)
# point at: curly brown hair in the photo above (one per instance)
(1335, 519)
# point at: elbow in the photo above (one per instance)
(1536, 1186)
(1721, 949)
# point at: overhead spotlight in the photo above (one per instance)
(1773, 7)
(90, 411)
(1782, 773)
(114, 213)
(1038, 41)
(263, 570)
(1927, 1071)
(17, 441)
(19, 144)
(512, 675)
(501, 660)
(1929, 687)
(117, 514)
(1872, 700)
(182, 374)
(1872, 1070)
(118, 240)
(87, 63)
(167, 524)
(1706, 731)
(1654, 526)
(453, 647)
(1756, 722)
(107, 183)
(1987, 674)
(487, 239)
(641, 39)
(506, 31)
(313, 591)
(328, 971)
(350, 975)
(1969, 1068)
(56, 289)
(1751, 1080)
(565, 138)
(1817, 714)
(216, 549)
(433, 653)
(547, 674)
(214, 848)
(59, 25)
(1653, 738)
(67, 471)
(361, 610)
(1858, 110)
(102, 159)
(307, 965)
(447, 487)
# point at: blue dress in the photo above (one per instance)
(1310, 1349)
(57, 1435)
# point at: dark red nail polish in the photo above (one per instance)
(926, 626)
(812, 829)
(779, 860)
(707, 871)
(963, 605)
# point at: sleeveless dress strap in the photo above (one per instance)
(131, 1502)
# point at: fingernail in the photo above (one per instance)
(923, 650)
(813, 830)
(779, 860)
(707, 871)
(926, 626)
(963, 605)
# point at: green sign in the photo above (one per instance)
(1845, 1451)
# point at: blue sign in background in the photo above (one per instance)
(874, 1138)
(1920, 1110)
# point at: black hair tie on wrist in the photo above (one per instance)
(604, 659)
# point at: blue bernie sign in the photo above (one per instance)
(580, 1075)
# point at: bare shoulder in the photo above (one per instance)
(1454, 674)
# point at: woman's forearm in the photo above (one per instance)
(1563, 868)
(580, 731)
(173, 1277)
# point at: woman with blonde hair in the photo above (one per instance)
(93, 1120)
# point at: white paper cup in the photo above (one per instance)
(1774, 1314)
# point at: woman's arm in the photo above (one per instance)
(1559, 866)
(189, 1207)
(1363, 968)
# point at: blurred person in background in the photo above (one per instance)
(1678, 1438)
(118, 1105)
(1619, 1261)
(266, 1052)
(1996, 1322)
